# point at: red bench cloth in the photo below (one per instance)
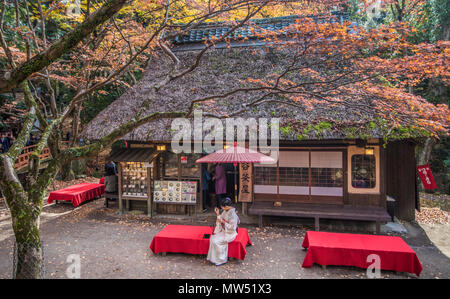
(189, 239)
(353, 249)
(78, 193)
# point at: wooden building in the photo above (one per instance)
(342, 167)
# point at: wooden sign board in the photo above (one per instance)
(245, 182)
(141, 145)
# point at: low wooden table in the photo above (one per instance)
(77, 194)
(353, 249)
(189, 239)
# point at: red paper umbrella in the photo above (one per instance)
(235, 155)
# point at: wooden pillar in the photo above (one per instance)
(120, 189)
(201, 189)
(309, 181)
(345, 177)
(316, 223)
(149, 192)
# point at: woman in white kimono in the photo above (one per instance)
(224, 233)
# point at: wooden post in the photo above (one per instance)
(260, 221)
(316, 223)
(149, 192)
(120, 189)
(378, 226)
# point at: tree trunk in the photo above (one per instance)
(67, 173)
(25, 217)
(25, 208)
(29, 262)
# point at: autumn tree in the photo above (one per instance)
(105, 45)
(326, 63)
(421, 22)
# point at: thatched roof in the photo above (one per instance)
(222, 70)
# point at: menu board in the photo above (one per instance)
(175, 192)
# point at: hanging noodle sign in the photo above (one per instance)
(426, 177)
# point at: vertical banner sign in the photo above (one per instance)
(426, 176)
(245, 182)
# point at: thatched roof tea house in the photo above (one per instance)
(333, 161)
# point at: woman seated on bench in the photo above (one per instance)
(224, 233)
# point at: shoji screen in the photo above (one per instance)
(293, 169)
(326, 173)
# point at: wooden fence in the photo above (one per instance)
(23, 159)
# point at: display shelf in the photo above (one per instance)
(134, 180)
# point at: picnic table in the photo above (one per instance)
(341, 249)
(189, 239)
(77, 194)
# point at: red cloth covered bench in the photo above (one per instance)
(77, 193)
(353, 249)
(189, 239)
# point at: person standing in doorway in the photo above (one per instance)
(206, 178)
(221, 183)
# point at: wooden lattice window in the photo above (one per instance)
(294, 176)
(265, 176)
(363, 171)
(326, 177)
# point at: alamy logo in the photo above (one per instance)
(373, 270)
(74, 268)
(207, 135)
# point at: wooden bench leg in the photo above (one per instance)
(316, 223)
(260, 222)
(106, 202)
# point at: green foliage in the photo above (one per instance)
(311, 130)
(287, 130)
(431, 26)
(96, 103)
(440, 164)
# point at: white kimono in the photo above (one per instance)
(224, 233)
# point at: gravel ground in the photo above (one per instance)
(113, 246)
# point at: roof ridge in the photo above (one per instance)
(206, 30)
